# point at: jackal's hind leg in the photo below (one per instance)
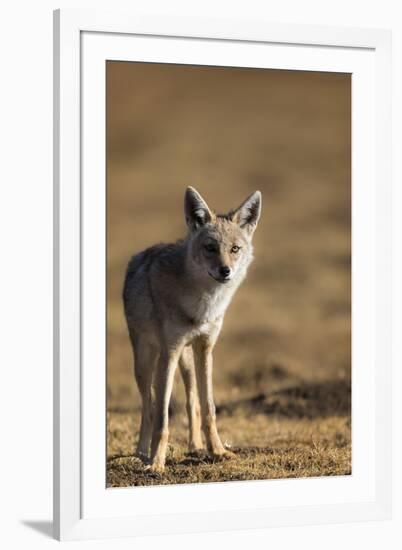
(144, 367)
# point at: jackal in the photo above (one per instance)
(175, 297)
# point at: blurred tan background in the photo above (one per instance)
(282, 364)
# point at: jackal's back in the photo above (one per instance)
(143, 275)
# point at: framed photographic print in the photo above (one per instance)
(222, 275)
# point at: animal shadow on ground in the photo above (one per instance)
(305, 400)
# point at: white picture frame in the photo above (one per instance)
(83, 507)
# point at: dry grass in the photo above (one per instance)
(282, 364)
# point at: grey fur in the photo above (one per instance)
(175, 298)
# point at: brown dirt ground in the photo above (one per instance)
(283, 362)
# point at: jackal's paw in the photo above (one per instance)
(222, 455)
(195, 449)
(155, 468)
(142, 456)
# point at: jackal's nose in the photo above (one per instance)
(224, 271)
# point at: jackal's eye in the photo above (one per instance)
(235, 249)
(210, 247)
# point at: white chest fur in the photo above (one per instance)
(210, 306)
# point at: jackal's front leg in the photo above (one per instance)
(163, 390)
(187, 369)
(203, 361)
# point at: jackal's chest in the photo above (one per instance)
(206, 309)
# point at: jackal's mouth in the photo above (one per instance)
(222, 280)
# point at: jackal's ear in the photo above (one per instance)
(248, 213)
(196, 209)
